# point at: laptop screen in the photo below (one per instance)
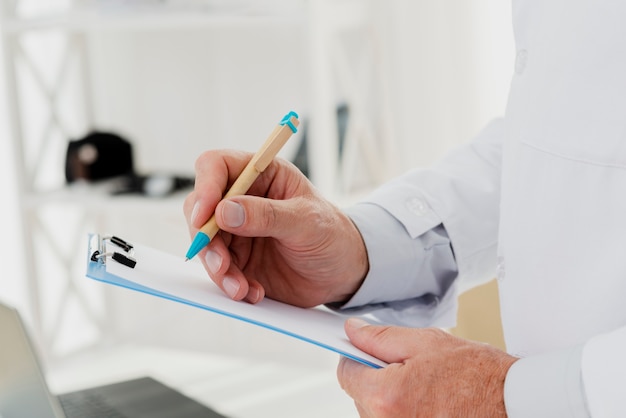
(23, 391)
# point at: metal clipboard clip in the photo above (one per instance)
(98, 253)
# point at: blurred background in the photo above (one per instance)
(381, 86)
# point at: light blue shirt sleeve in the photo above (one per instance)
(431, 234)
(547, 385)
(410, 279)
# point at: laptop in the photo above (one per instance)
(24, 392)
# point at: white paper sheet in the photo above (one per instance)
(170, 277)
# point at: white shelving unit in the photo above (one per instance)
(339, 68)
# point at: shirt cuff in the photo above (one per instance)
(546, 386)
(394, 257)
(410, 279)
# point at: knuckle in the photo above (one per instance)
(203, 159)
(386, 404)
(383, 333)
(434, 334)
(321, 216)
(269, 217)
(189, 202)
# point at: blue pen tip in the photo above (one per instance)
(200, 241)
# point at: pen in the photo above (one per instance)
(259, 162)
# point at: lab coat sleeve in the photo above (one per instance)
(415, 273)
(547, 385)
(604, 374)
(578, 382)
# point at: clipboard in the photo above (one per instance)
(137, 267)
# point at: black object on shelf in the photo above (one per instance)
(101, 156)
(98, 156)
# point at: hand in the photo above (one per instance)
(431, 374)
(282, 239)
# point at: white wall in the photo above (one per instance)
(178, 92)
(453, 61)
(192, 89)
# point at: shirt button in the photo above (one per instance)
(520, 61)
(500, 269)
(417, 206)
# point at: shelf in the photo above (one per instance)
(98, 198)
(152, 18)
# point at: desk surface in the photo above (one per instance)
(236, 387)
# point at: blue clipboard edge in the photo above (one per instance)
(97, 271)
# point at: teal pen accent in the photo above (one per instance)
(287, 121)
(199, 242)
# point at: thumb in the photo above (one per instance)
(389, 344)
(252, 216)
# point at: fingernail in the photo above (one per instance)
(213, 261)
(356, 323)
(194, 213)
(233, 214)
(231, 286)
(253, 295)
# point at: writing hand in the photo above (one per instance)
(282, 239)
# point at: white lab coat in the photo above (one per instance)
(562, 247)
(540, 199)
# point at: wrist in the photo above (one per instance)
(496, 385)
(357, 262)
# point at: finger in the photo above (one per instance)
(215, 171)
(357, 380)
(239, 251)
(252, 216)
(256, 292)
(389, 344)
(238, 287)
(192, 208)
(216, 257)
(225, 273)
(217, 261)
(188, 205)
(234, 283)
